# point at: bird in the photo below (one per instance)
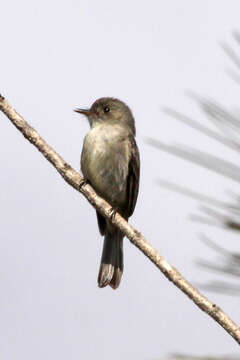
(110, 163)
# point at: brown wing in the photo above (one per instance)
(132, 185)
(133, 177)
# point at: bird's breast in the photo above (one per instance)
(104, 162)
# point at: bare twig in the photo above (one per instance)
(76, 181)
(193, 357)
(201, 158)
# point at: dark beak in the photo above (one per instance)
(85, 112)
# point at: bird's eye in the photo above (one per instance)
(106, 109)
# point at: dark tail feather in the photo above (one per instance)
(111, 267)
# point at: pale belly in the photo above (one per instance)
(104, 162)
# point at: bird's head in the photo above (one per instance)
(109, 110)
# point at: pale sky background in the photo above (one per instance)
(56, 55)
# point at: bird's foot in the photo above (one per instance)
(112, 213)
(83, 182)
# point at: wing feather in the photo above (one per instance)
(133, 177)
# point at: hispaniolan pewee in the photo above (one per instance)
(110, 163)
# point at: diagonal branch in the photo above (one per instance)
(77, 182)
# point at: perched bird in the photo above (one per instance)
(110, 163)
